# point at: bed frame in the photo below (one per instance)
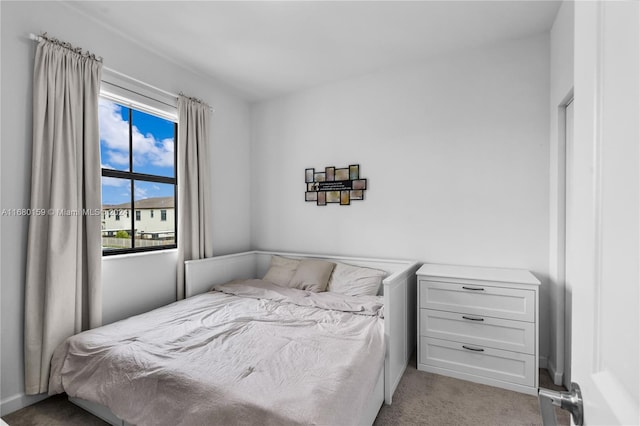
(398, 289)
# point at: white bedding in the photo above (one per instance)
(248, 353)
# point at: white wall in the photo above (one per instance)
(126, 293)
(456, 151)
(561, 90)
(129, 287)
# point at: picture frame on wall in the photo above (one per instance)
(334, 185)
(322, 198)
(330, 173)
(360, 184)
(333, 196)
(354, 172)
(309, 174)
(342, 174)
(345, 198)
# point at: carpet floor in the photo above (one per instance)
(431, 399)
(420, 399)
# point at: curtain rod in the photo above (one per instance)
(35, 37)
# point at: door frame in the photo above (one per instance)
(557, 241)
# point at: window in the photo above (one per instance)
(138, 156)
(163, 215)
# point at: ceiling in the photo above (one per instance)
(268, 48)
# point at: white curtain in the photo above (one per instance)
(194, 185)
(64, 254)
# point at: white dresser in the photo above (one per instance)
(479, 324)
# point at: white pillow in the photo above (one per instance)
(355, 280)
(312, 275)
(281, 270)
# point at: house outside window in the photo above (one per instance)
(138, 156)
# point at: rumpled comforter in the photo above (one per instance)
(245, 353)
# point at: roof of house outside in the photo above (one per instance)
(146, 203)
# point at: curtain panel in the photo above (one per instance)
(194, 185)
(64, 254)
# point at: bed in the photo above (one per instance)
(243, 350)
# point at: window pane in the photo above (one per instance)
(116, 207)
(114, 135)
(151, 230)
(153, 145)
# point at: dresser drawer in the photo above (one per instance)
(509, 335)
(479, 299)
(491, 363)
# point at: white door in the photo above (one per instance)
(603, 214)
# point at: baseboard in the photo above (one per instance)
(16, 402)
(556, 375)
(529, 390)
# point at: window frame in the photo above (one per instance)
(132, 176)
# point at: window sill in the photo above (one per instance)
(142, 253)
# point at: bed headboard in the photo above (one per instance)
(201, 275)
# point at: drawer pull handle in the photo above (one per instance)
(473, 349)
(473, 288)
(472, 319)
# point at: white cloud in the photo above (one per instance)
(121, 159)
(114, 132)
(109, 181)
(140, 193)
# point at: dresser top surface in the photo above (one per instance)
(519, 276)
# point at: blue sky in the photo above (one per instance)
(153, 151)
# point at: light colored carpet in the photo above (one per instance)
(421, 399)
(53, 411)
(431, 399)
